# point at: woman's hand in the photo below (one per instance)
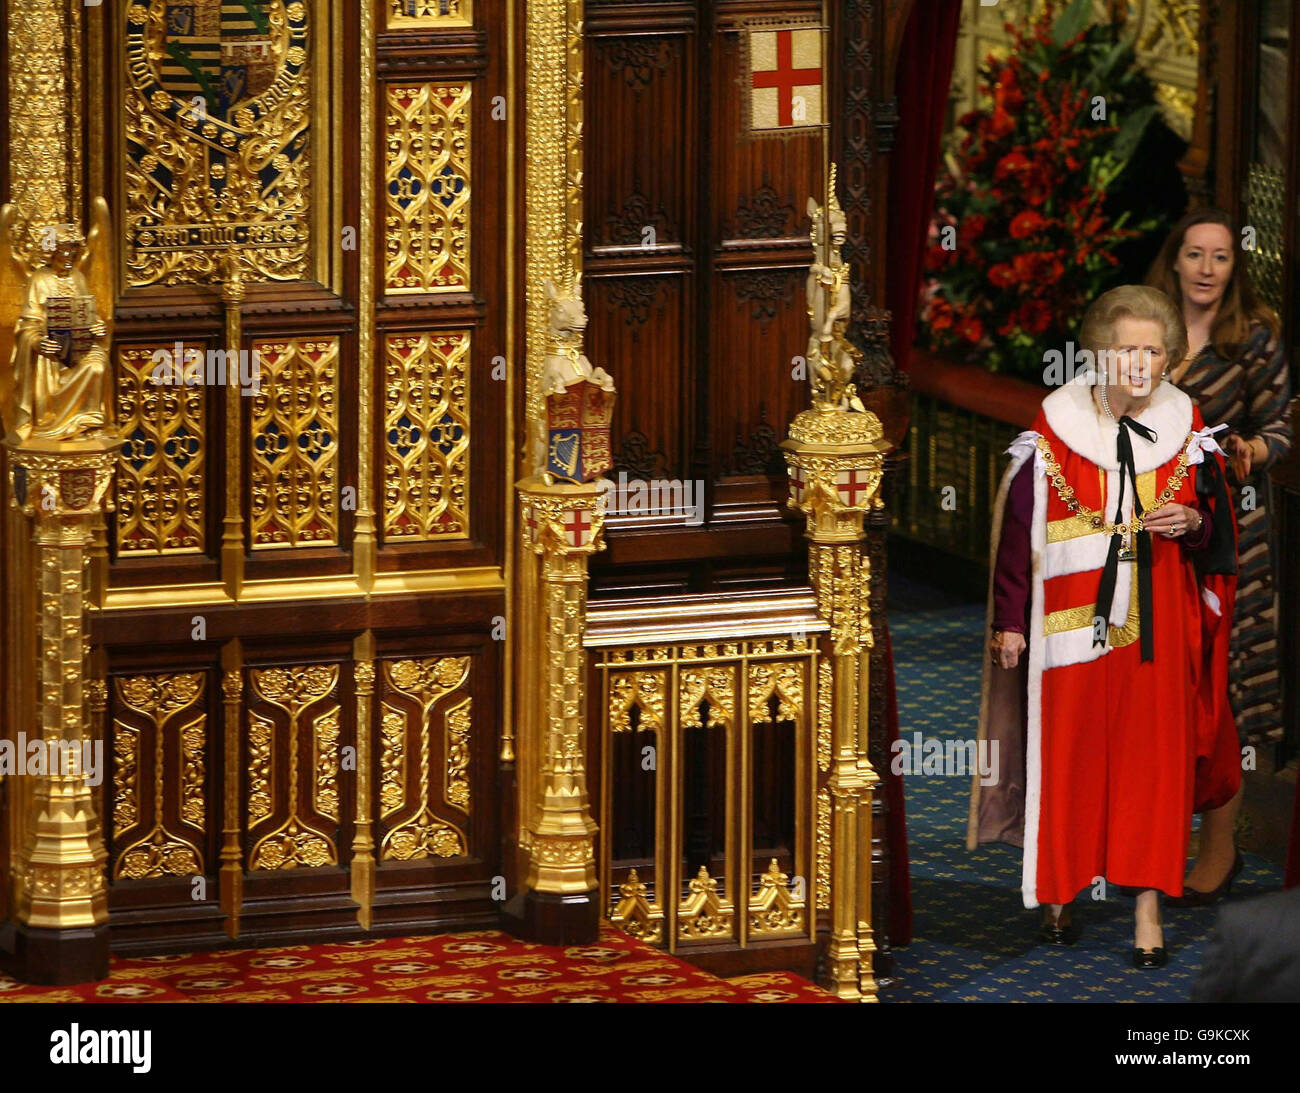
(1172, 521)
(1241, 454)
(1005, 647)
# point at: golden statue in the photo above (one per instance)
(58, 382)
(832, 358)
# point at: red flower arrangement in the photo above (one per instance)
(1021, 240)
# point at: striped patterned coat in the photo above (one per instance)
(1250, 393)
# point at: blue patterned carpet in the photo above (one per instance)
(973, 939)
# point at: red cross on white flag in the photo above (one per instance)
(577, 526)
(852, 487)
(786, 78)
(797, 483)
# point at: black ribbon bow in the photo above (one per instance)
(1106, 591)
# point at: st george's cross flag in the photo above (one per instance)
(785, 80)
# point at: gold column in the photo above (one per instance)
(553, 66)
(835, 459)
(43, 169)
(44, 94)
(363, 841)
(231, 881)
(364, 544)
(60, 486)
(232, 534)
(568, 521)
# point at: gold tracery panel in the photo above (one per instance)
(294, 444)
(293, 722)
(429, 13)
(427, 188)
(160, 735)
(727, 694)
(425, 736)
(426, 435)
(217, 106)
(162, 469)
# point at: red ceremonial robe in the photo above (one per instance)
(1101, 756)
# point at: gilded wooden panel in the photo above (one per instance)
(162, 472)
(426, 435)
(159, 776)
(427, 188)
(293, 761)
(293, 445)
(424, 752)
(740, 690)
(217, 126)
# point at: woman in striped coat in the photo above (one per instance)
(1236, 372)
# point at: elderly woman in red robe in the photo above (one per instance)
(1113, 571)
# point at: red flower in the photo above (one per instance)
(1035, 317)
(941, 316)
(1002, 275)
(1026, 224)
(972, 330)
(1011, 164)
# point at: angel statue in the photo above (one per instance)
(58, 383)
(832, 358)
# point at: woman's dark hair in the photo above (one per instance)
(1239, 309)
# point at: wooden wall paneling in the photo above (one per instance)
(163, 851)
(743, 243)
(759, 266)
(434, 776)
(161, 314)
(290, 634)
(640, 226)
(442, 61)
(1232, 74)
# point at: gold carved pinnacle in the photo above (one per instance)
(62, 478)
(563, 518)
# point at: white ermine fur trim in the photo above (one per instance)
(1074, 417)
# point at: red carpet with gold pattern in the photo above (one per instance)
(486, 966)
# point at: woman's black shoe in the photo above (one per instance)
(1191, 897)
(1059, 930)
(1150, 958)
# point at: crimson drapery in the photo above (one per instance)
(924, 75)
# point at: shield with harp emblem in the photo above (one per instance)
(577, 432)
(219, 50)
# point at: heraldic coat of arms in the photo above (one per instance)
(579, 398)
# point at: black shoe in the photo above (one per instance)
(1061, 930)
(1150, 958)
(1193, 897)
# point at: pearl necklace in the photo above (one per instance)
(1105, 402)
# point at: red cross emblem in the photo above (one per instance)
(797, 482)
(785, 78)
(577, 525)
(850, 485)
(530, 517)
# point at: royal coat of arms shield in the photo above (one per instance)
(218, 49)
(577, 432)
